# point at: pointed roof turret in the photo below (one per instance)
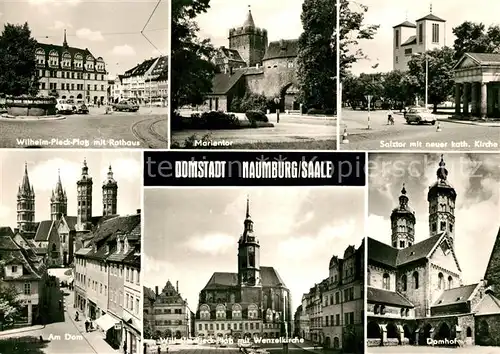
(109, 179)
(442, 184)
(58, 193)
(65, 42)
(85, 169)
(26, 188)
(248, 235)
(249, 20)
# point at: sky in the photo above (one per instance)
(191, 233)
(43, 168)
(389, 13)
(109, 29)
(476, 179)
(281, 22)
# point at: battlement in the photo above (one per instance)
(239, 31)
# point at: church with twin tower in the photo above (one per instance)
(61, 236)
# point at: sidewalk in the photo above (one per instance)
(10, 332)
(495, 124)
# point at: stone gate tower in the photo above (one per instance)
(249, 41)
(84, 197)
(441, 198)
(403, 223)
(58, 201)
(248, 254)
(109, 194)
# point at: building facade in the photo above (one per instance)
(428, 33)
(415, 289)
(69, 72)
(332, 312)
(253, 302)
(166, 313)
(107, 277)
(146, 82)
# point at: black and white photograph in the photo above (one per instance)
(84, 74)
(254, 74)
(420, 75)
(254, 270)
(433, 253)
(70, 240)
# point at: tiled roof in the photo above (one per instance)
(387, 297)
(493, 268)
(231, 54)
(431, 17)
(485, 58)
(160, 66)
(149, 293)
(222, 83)
(456, 295)
(6, 231)
(288, 48)
(406, 24)
(221, 280)
(83, 251)
(11, 253)
(488, 305)
(44, 229)
(410, 41)
(140, 69)
(114, 225)
(71, 221)
(382, 253)
(418, 251)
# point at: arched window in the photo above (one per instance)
(205, 312)
(375, 309)
(252, 311)
(415, 280)
(404, 282)
(220, 312)
(407, 312)
(236, 311)
(386, 282)
(403, 312)
(382, 310)
(450, 282)
(440, 281)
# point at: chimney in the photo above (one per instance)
(156, 290)
(138, 211)
(177, 286)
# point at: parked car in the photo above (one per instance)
(81, 107)
(420, 115)
(126, 106)
(65, 106)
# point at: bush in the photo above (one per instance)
(256, 116)
(327, 112)
(254, 102)
(176, 121)
(216, 120)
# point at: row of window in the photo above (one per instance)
(168, 322)
(435, 34)
(442, 226)
(25, 217)
(235, 326)
(69, 75)
(168, 311)
(67, 86)
(132, 275)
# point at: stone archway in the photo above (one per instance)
(444, 331)
(287, 97)
(178, 335)
(328, 342)
(373, 330)
(79, 97)
(408, 334)
(336, 342)
(426, 333)
(392, 330)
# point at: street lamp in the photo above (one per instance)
(426, 79)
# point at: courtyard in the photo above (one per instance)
(430, 350)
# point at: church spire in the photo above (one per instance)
(248, 208)
(65, 42)
(442, 172)
(249, 20)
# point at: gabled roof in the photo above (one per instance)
(12, 253)
(223, 83)
(406, 24)
(72, 50)
(387, 297)
(488, 305)
(44, 230)
(493, 268)
(285, 48)
(481, 59)
(431, 17)
(114, 225)
(410, 41)
(231, 54)
(6, 231)
(70, 221)
(456, 295)
(220, 280)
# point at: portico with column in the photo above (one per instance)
(477, 85)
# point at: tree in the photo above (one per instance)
(317, 56)
(397, 90)
(192, 71)
(475, 38)
(352, 30)
(10, 305)
(18, 61)
(440, 74)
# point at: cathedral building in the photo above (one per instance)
(59, 237)
(428, 33)
(69, 72)
(252, 302)
(251, 64)
(415, 289)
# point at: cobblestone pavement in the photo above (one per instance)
(144, 129)
(401, 136)
(431, 350)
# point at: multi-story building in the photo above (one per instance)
(332, 311)
(146, 81)
(69, 72)
(26, 273)
(107, 277)
(166, 313)
(428, 33)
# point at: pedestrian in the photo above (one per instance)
(76, 316)
(159, 349)
(390, 119)
(98, 104)
(60, 304)
(125, 347)
(87, 324)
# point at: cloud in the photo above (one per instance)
(123, 50)
(85, 33)
(60, 25)
(213, 244)
(44, 174)
(54, 2)
(126, 169)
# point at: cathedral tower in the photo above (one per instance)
(441, 198)
(249, 41)
(58, 201)
(109, 194)
(26, 206)
(84, 196)
(403, 223)
(248, 254)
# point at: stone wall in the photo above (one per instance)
(487, 330)
(277, 75)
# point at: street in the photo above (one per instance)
(293, 131)
(431, 350)
(147, 128)
(63, 335)
(401, 136)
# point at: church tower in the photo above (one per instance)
(58, 201)
(249, 41)
(109, 194)
(84, 197)
(403, 223)
(248, 254)
(26, 206)
(441, 198)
